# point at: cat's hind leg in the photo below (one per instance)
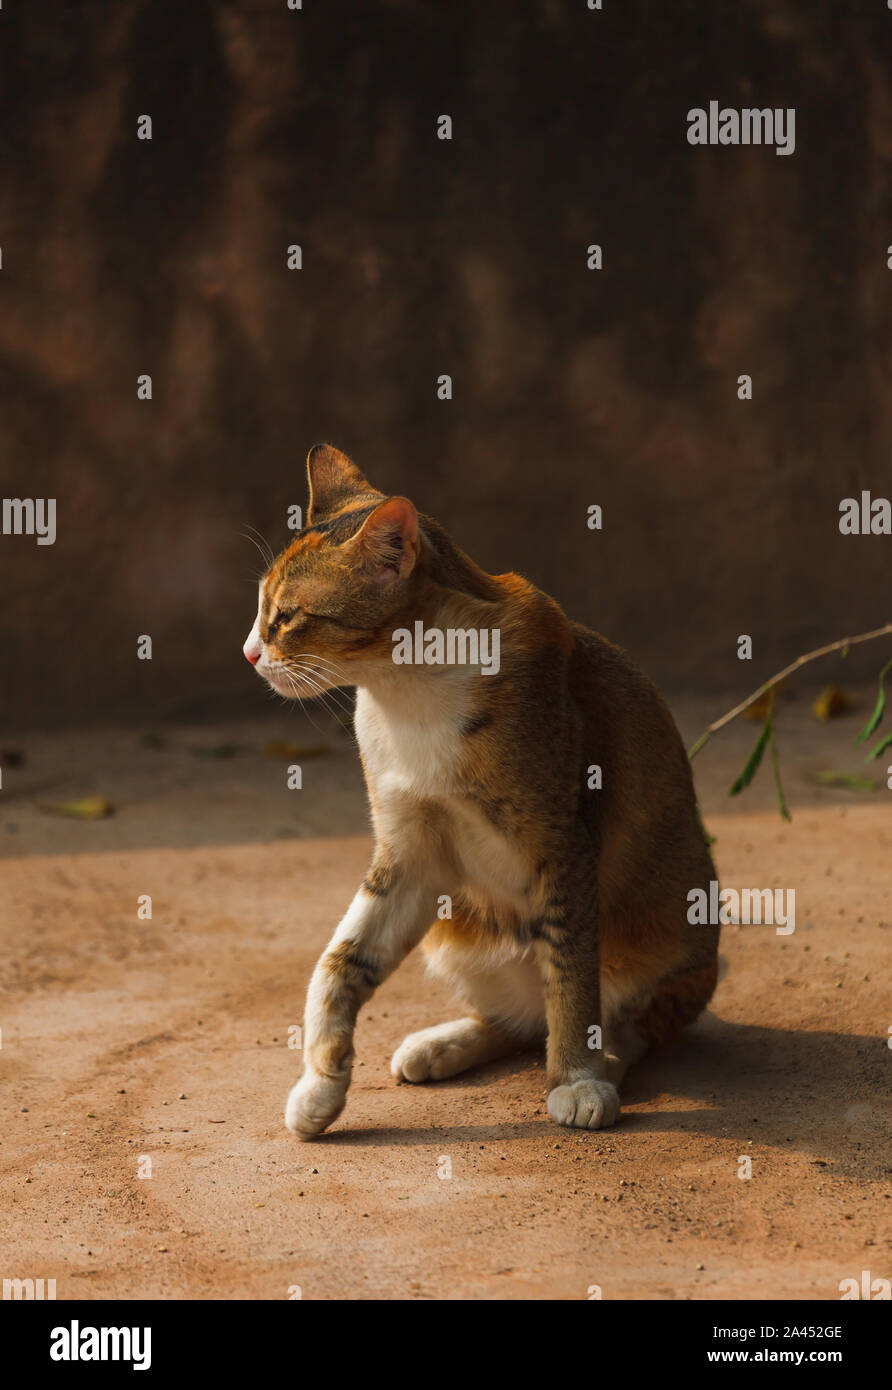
(623, 1047)
(507, 1012)
(667, 1007)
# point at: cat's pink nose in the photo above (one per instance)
(252, 650)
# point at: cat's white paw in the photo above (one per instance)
(588, 1104)
(313, 1103)
(445, 1050)
(421, 1057)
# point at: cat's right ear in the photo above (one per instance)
(386, 546)
(333, 480)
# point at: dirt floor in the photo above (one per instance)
(127, 1040)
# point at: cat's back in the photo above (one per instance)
(622, 697)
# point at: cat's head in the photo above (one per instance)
(329, 603)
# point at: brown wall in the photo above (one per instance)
(420, 257)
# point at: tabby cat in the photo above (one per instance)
(545, 803)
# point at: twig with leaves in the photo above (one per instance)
(766, 737)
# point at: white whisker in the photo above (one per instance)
(338, 705)
(311, 676)
(263, 546)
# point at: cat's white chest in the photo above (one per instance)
(412, 758)
(490, 862)
(410, 751)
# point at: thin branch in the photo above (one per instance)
(843, 644)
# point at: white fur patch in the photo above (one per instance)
(446, 1049)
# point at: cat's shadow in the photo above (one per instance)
(825, 1094)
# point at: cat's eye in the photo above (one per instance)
(283, 616)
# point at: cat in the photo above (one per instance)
(549, 804)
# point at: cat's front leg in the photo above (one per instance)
(579, 1093)
(388, 916)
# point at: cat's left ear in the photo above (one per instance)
(334, 480)
(387, 543)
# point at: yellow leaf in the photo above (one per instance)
(90, 808)
(762, 707)
(831, 702)
(295, 750)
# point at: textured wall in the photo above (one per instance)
(420, 257)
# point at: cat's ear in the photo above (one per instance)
(333, 479)
(386, 546)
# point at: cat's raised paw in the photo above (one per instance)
(312, 1105)
(587, 1104)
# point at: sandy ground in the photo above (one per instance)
(166, 1040)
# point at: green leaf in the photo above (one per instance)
(843, 779)
(775, 763)
(881, 747)
(754, 760)
(879, 708)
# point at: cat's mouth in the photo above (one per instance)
(294, 685)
